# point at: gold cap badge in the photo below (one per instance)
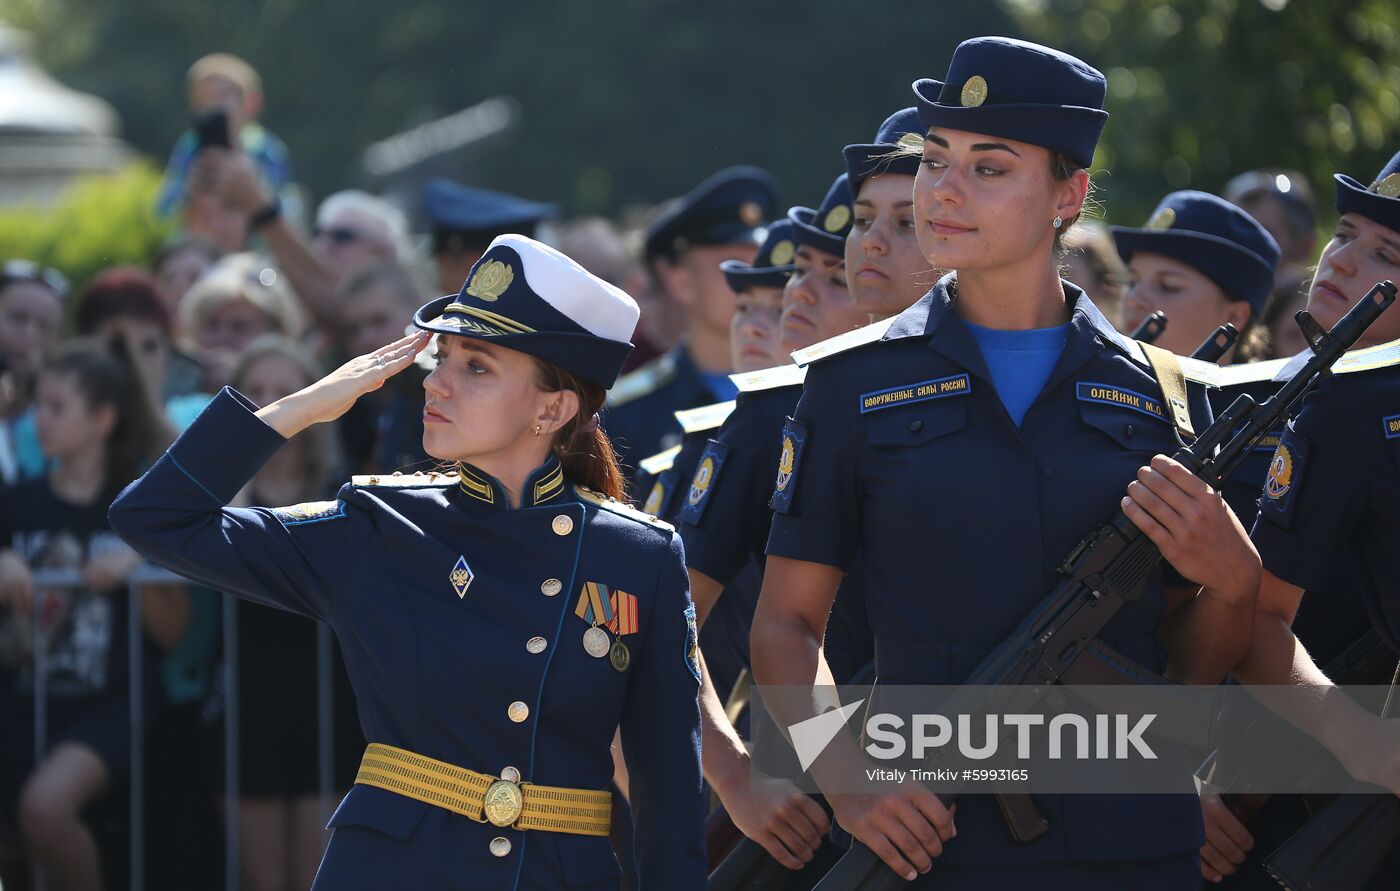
(912, 140)
(1388, 187)
(750, 213)
(491, 280)
(837, 218)
(782, 253)
(1162, 219)
(974, 92)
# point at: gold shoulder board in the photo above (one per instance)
(644, 380)
(706, 417)
(769, 378)
(404, 480)
(617, 507)
(843, 342)
(660, 462)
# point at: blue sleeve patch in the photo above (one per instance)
(660, 494)
(938, 388)
(309, 512)
(794, 438)
(1391, 426)
(692, 642)
(1282, 482)
(703, 483)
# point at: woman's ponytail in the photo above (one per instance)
(583, 448)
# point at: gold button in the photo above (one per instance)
(536, 644)
(500, 846)
(563, 525)
(518, 711)
(510, 774)
(551, 587)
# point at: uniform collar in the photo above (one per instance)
(544, 484)
(933, 317)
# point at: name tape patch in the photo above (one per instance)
(938, 388)
(1108, 394)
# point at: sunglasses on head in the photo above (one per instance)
(338, 234)
(29, 271)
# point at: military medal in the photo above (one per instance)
(619, 656)
(595, 642)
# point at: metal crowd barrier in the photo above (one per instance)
(46, 580)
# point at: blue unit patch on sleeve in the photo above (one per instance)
(1110, 394)
(309, 512)
(1284, 477)
(703, 483)
(938, 388)
(794, 438)
(659, 494)
(1391, 425)
(692, 642)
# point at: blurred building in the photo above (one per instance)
(48, 133)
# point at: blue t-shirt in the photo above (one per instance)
(720, 384)
(1020, 362)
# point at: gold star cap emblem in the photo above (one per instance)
(1162, 219)
(1388, 187)
(974, 92)
(837, 218)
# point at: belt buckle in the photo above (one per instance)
(503, 803)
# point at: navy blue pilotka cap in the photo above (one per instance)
(901, 129)
(1378, 202)
(1211, 235)
(825, 227)
(771, 268)
(528, 297)
(465, 216)
(1021, 91)
(728, 208)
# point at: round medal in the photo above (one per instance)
(619, 656)
(595, 642)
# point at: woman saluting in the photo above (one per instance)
(965, 452)
(499, 623)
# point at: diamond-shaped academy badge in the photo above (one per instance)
(461, 577)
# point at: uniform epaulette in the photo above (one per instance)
(1251, 372)
(644, 380)
(843, 342)
(1194, 370)
(706, 417)
(660, 462)
(617, 507)
(405, 480)
(1380, 356)
(769, 378)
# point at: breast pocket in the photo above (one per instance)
(916, 459)
(915, 425)
(1133, 430)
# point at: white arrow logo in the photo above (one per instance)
(811, 737)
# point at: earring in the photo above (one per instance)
(1056, 223)
(537, 429)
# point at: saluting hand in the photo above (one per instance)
(332, 395)
(1194, 529)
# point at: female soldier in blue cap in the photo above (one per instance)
(1203, 262)
(499, 623)
(1333, 486)
(967, 450)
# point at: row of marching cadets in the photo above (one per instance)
(887, 505)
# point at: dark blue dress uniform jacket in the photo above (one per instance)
(436, 673)
(904, 451)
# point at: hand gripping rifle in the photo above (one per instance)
(1112, 565)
